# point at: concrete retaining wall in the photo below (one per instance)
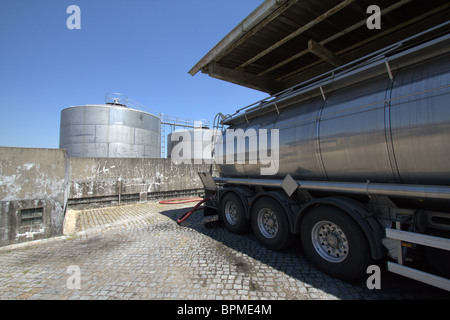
(33, 193)
(97, 181)
(37, 186)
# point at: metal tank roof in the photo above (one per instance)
(285, 42)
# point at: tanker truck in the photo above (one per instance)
(359, 168)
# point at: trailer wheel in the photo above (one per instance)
(233, 213)
(334, 243)
(270, 224)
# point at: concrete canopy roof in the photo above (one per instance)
(285, 42)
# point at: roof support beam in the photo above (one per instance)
(296, 74)
(299, 31)
(255, 29)
(243, 78)
(335, 36)
(324, 54)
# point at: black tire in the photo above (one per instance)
(233, 214)
(334, 243)
(270, 224)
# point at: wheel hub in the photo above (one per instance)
(329, 241)
(332, 240)
(267, 223)
(231, 212)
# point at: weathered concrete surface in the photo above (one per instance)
(90, 177)
(49, 181)
(105, 177)
(70, 222)
(32, 178)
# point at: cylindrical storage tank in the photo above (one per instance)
(375, 129)
(194, 144)
(110, 131)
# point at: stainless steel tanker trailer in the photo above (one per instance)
(363, 165)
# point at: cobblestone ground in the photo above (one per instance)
(139, 252)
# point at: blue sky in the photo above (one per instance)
(141, 48)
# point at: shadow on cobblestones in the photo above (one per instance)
(293, 263)
(140, 252)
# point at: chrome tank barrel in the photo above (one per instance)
(386, 126)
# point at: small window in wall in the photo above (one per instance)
(31, 217)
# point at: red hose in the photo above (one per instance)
(182, 200)
(185, 215)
